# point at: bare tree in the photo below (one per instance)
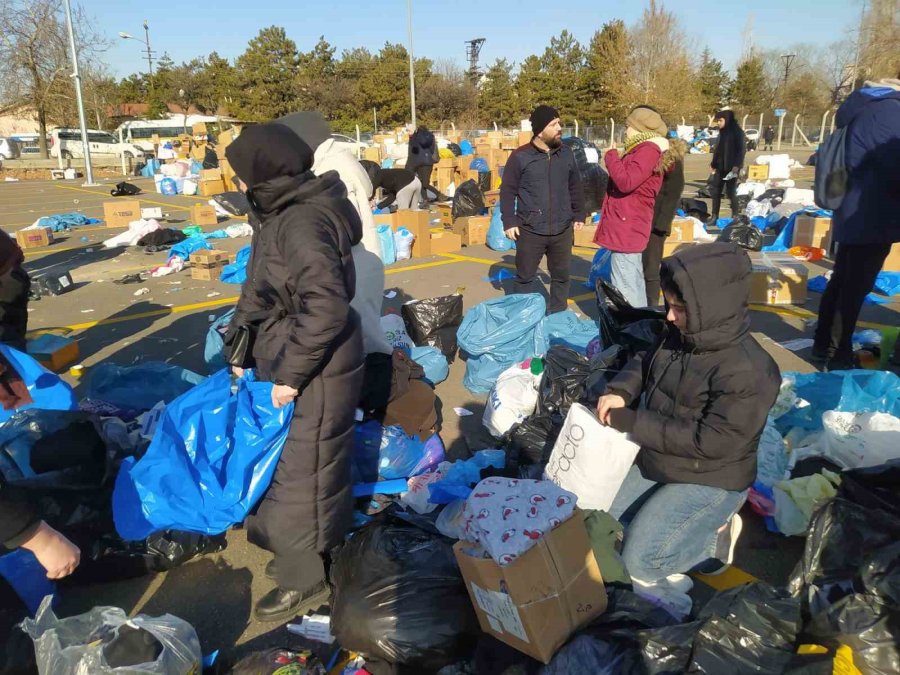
(835, 69)
(34, 58)
(879, 48)
(447, 94)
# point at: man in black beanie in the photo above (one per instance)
(541, 199)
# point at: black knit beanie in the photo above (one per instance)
(541, 117)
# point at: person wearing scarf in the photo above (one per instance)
(626, 217)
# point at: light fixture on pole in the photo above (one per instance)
(412, 77)
(145, 41)
(88, 170)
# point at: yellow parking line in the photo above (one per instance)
(149, 201)
(53, 249)
(801, 313)
(488, 261)
(178, 309)
(410, 268)
(730, 578)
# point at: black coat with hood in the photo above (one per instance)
(300, 280)
(423, 149)
(731, 146)
(704, 393)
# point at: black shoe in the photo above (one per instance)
(818, 356)
(270, 570)
(281, 605)
(842, 363)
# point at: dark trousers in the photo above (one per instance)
(14, 288)
(299, 571)
(424, 175)
(855, 269)
(652, 258)
(729, 187)
(530, 248)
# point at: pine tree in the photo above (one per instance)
(531, 84)
(217, 85)
(561, 63)
(713, 81)
(604, 84)
(750, 93)
(266, 76)
(497, 100)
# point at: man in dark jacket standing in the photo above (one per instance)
(727, 161)
(704, 395)
(867, 222)
(768, 137)
(541, 200)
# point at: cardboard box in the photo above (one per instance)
(669, 246)
(199, 129)
(210, 174)
(446, 162)
(442, 242)
(892, 264)
(210, 188)
(209, 257)
(585, 236)
(777, 280)
(758, 172)
(525, 137)
(390, 219)
(212, 273)
(419, 223)
(812, 231)
(373, 155)
(34, 237)
(445, 212)
(442, 176)
(472, 230)
(682, 230)
(203, 214)
(54, 352)
(536, 602)
(151, 212)
(228, 175)
(491, 198)
(121, 212)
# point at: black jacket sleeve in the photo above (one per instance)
(509, 190)
(17, 519)
(669, 198)
(389, 198)
(629, 383)
(576, 190)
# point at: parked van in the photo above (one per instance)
(103, 145)
(143, 132)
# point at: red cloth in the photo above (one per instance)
(627, 212)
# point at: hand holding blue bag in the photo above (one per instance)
(496, 236)
(211, 460)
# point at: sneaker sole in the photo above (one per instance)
(737, 528)
(313, 602)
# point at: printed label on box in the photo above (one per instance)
(500, 608)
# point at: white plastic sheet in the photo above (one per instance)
(511, 400)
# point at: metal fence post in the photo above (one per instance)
(794, 131)
(822, 130)
(612, 132)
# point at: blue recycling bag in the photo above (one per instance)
(236, 272)
(433, 361)
(388, 453)
(183, 249)
(499, 333)
(888, 283)
(168, 187)
(818, 284)
(480, 165)
(139, 387)
(601, 268)
(151, 168)
(567, 330)
(27, 577)
(48, 391)
(211, 460)
(215, 342)
(465, 146)
(496, 237)
(388, 248)
(65, 221)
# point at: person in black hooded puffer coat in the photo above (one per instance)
(697, 405)
(727, 159)
(423, 155)
(300, 281)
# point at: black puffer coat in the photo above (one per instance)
(731, 146)
(423, 149)
(300, 281)
(707, 392)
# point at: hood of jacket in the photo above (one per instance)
(310, 126)
(872, 92)
(728, 116)
(714, 280)
(674, 154)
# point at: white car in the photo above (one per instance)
(9, 149)
(103, 145)
(351, 143)
(752, 135)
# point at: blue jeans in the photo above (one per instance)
(627, 277)
(670, 528)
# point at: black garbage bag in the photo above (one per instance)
(531, 441)
(455, 149)
(468, 200)
(569, 377)
(742, 201)
(774, 195)
(399, 596)
(484, 181)
(743, 233)
(695, 208)
(211, 160)
(434, 322)
(713, 186)
(594, 180)
(634, 329)
(873, 487)
(667, 650)
(234, 202)
(125, 189)
(588, 654)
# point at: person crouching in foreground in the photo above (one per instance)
(300, 281)
(704, 394)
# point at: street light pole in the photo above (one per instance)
(88, 170)
(788, 60)
(412, 77)
(149, 52)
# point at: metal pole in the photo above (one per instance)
(833, 118)
(862, 18)
(794, 132)
(780, 131)
(88, 170)
(576, 126)
(612, 132)
(760, 128)
(822, 130)
(412, 76)
(375, 118)
(744, 121)
(149, 52)
(358, 143)
(121, 141)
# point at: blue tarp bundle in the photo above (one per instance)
(183, 249)
(215, 342)
(48, 391)
(211, 460)
(818, 284)
(601, 268)
(888, 283)
(785, 238)
(236, 272)
(139, 387)
(566, 329)
(65, 221)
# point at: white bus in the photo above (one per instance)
(141, 132)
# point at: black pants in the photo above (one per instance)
(855, 269)
(424, 175)
(530, 248)
(652, 257)
(729, 187)
(14, 288)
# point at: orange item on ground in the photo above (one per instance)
(807, 253)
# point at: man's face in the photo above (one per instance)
(552, 134)
(720, 122)
(677, 314)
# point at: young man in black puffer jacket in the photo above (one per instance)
(704, 393)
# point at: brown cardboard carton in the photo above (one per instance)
(682, 230)
(446, 162)
(228, 175)
(491, 197)
(585, 236)
(54, 352)
(473, 230)
(211, 273)
(209, 257)
(120, 212)
(777, 280)
(758, 172)
(443, 242)
(389, 219)
(199, 129)
(812, 231)
(203, 214)
(445, 212)
(419, 223)
(34, 237)
(892, 264)
(210, 174)
(536, 602)
(373, 154)
(524, 138)
(210, 188)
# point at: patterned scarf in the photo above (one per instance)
(634, 141)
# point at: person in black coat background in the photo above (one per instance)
(15, 285)
(727, 161)
(300, 281)
(667, 202)
(398, 186)
(768, 137)
(423, 155)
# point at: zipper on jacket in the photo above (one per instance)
(550, 187)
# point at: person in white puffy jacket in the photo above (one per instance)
(368, 258)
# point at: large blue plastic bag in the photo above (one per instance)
(818, 284)
(139, 387)
(236, 272)
(210, 461)
(433, 361)
(388, 453)
(499, 333)
(183, 249)
(496, 237)
(463, 474)
(48, 391)
(601, 268)
(27, 577)
(389, 250)
(215, 342)
(566, 329)
(888, 283)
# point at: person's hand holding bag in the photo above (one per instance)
(282, 395)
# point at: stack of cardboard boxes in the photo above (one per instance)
(428, 240)
(207, 265)
(224, 140)
(812, 231)
(777, 279)
(210, 183)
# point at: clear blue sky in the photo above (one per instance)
(513, 28)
